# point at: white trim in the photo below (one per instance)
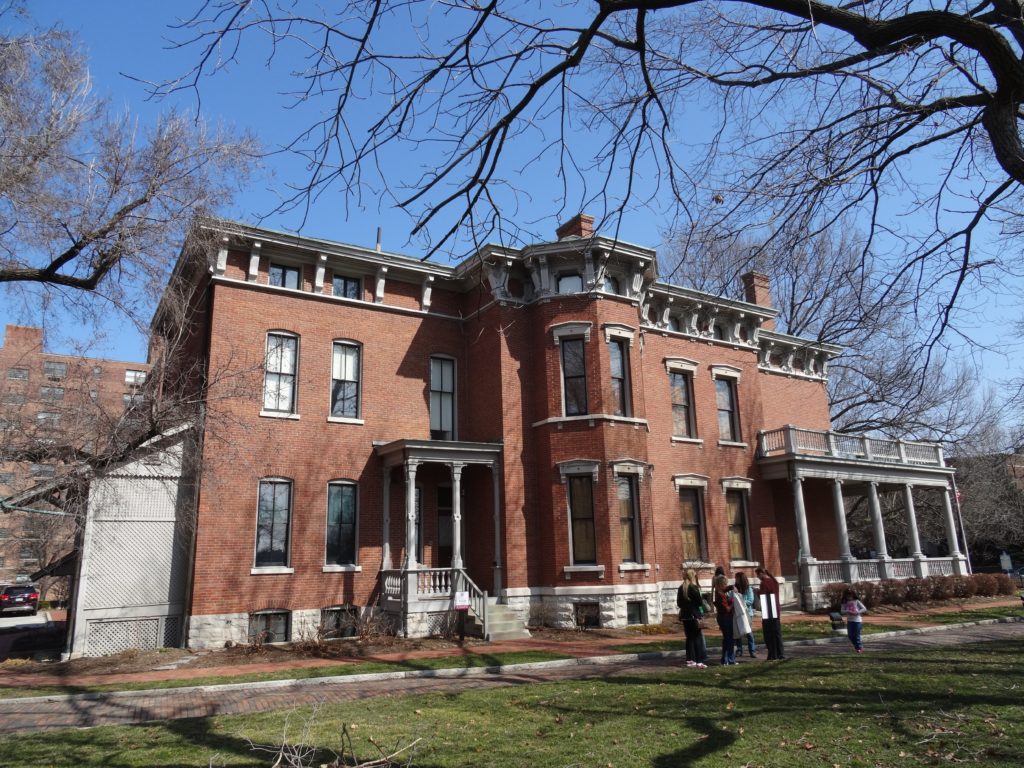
(343, 420)
(737, 483)
(358, 345)
(680, 365)
(618, 331)
(578, 467)
(721, 371)
(733, 444)
(628, 467)
(568, 570)
(626, 567)
(271, 570)
(571, 329)
(691, 440)
(265, 569)
(591, 417)
(279, 415)
(745, 563)
(454, 392)
(690, 480)
(342, 569)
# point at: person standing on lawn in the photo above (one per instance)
(771, 623)
(724, 614)
(689, 600)
(743, 612)
(854, 610)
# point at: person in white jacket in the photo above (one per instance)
(743, 608)
(854, 610)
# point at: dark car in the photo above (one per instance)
(19, 597)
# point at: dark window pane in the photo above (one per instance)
(626, 491)
(619, 364)
(682, 423)
(725, 398)
(272, 523)
(284, 277)
(575, 378)
(581, 504)
(341, 524)
(736, 502)
(690, 522)
(348, 287)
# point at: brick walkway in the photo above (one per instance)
(96, 709)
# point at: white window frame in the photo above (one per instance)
(732, 374)
(685, 367)
(358, 418)
(454, 393)
(743, 486)
(293, 413)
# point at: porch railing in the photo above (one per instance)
(848, 571)
(428, 588)
(790, 440)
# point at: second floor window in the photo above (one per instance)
(134, 378)
(728, 416)
(272, 523)
(345, 380)
(442, 399)
(279, 385)
(54, 371)
(17, 373)
(47, 420)
(51, 394)
(618, 353)
(574, 377)
(682, 404)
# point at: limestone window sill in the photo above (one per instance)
(279, 415)
(731, 444)
(344, 420)
(275, 570)
(342, 569)
(689, 440)
(634, 567)
(569, 570)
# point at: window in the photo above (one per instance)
(51, 394)
(279, 386)
(270, 626)
(574, 376)
(42, 470)
(54, 370)
(130, 399)
(445, 521)
(345, 380)
(718, 331)
(587, 615)
(94, 394)
(341, 524)
(3, 562)
(629, 519)
(6, 478)
(17, 373)
(47, 420)
(273, 520)
(22, 578)
(442, 398)
(636, 612)
(618, 352)
(736, 501)
(13, 398)
(5, 533)
(581, 514)
(682, 404)
(691, 521)
(728, 418)
(340, 621)
(570, 282)
(673, 323)
(610, 284)
(97, 371)
(134, 378)
(26, 554)
(349, 287)
(284, 277)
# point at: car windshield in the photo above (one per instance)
(19, 590)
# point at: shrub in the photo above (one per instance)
(986, 584)
(918, 590)
(834, 594)
(964, 587)
(893, 592)
(869, 593)
(1005, 585)
(941, 587)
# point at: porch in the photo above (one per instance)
(862, 465)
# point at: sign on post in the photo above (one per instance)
(462, 601)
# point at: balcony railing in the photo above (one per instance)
(795, 441)
(849, 571)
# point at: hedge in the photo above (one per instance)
(906, 591)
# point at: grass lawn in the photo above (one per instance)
(442, 662)
(944, 706)
(973, 614)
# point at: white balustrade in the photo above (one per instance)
(840, 445)
(901, 569)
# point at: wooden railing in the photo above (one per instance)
(790, 440)
(402, 590)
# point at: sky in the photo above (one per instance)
(129, 42)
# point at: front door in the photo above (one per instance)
(444, 526)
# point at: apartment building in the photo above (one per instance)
(50, 403)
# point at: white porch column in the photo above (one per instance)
(386, 521)
(801, 521)
(457, 515)
(496, 477)
(840, 512)
(876, 520)
(951, 537)
(410, 515)
(920, 566)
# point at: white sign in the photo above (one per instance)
(462, 601)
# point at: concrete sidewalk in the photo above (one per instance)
(122, 708)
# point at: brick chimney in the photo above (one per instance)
(580, 225)
(22, 339)
(757, 289)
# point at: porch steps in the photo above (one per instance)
(504, 623)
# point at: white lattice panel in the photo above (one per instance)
(133, 563)
(135, 498)
(106, 637)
